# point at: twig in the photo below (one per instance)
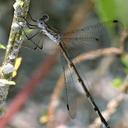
(13, 47)
(124, 36)
(97, 53)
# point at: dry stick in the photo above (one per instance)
(124, 36)
(13, 47)
(97, 53)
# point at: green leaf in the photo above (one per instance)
(2, 46)
(117, 82)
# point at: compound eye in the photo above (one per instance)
(41, 22)
(45, 17)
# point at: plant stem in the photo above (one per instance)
(14, 44)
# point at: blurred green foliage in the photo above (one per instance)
(110, 9)
(114, 9)
(124, 60)
(117, 82)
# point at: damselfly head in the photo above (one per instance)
(41, 24)
(42, 21)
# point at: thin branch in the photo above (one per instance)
(124, 36)
(97, 53)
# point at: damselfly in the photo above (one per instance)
(89, 35)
